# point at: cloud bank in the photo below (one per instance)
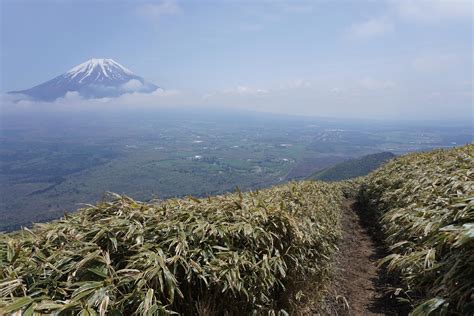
(363, 97)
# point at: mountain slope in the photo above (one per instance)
(95, 78)
(425, 205)
(258, 252)
(353, 168)
(236, 253)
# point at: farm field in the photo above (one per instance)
(52, 164)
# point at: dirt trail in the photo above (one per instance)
(358, 279)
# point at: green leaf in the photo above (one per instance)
(16, 305)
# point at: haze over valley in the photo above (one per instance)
(51, 163)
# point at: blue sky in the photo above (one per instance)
(382, 59)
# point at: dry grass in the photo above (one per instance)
(425, 203)
(234, 254)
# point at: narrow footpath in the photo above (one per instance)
(359, 283)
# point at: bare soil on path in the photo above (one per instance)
(360, 286)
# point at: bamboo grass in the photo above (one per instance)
(231, 254)
(425, 202)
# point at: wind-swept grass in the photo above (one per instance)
(238, 254)
(425, 203)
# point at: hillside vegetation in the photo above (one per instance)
(425, 203)
(263, 252)
(234, 253)
(353, 168)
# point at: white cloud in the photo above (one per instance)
(72, 101)
(245, 90)
(371, 28)
(72, 95)
(415, 10)
(297, 7)
(365, 97)
(296, 84)
(433, 10)
(248, 90)
(239, 91)
(156, 11)
(264, 13)
(434, 62)
(132, 85)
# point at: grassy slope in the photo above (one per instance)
(353, 168)
(238, 252)
(425, 203)
(235, 252)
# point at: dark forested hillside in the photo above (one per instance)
(353, 168)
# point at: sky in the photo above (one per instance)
(400, 59)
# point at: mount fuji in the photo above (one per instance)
(95, 78)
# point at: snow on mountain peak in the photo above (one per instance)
(95, 78)
(108, 67)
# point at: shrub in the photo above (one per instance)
(425, 203)
(234, 253)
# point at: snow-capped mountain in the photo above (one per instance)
(95, 78)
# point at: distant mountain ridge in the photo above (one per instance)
(95, 78)
(353, 168)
